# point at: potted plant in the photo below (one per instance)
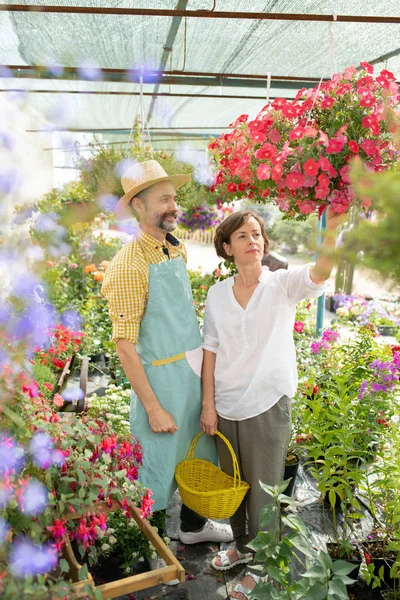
(200, 217)
(283, 540)
(298, 152)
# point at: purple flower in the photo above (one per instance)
(42, 449)
(71, 319)
(27, 558)
(34, 498)
(89, 70)
(55, 69)
(58, 458)
(4, 529)
(11, 455)
(73, 394)
(124, 165)
(6, 494)
(108, 202)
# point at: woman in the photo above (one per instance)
(249, 369)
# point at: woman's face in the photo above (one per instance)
(246, 243)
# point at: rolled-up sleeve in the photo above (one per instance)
(126, 293)
(298, 285)
(210, 333)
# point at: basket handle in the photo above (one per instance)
(236, 473)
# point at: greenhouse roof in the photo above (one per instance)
(200, 69)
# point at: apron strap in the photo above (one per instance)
(167, 361)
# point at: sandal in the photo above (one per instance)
(227, 563)
(245, 591)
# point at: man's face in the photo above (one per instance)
(158, 207)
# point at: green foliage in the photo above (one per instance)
(113, 406)
(378, 241)
(295, 235)
(277, 552)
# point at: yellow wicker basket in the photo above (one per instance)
(206, 489)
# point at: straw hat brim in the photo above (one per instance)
(123, 212)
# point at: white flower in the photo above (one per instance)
(153, 555)
(112, 540)
(105, 547)
(110, 530)
(167, 540)
(395, 418)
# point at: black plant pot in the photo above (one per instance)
(380, 558)
(354, 559)
(291, 472)
(387, 330)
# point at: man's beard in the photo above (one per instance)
(160, 221)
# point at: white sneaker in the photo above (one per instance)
(159, 563)
(211, 532)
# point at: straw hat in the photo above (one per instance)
(141, 176)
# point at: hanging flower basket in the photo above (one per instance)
(200, 217)
(298, 153)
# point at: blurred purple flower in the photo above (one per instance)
(6, 494)
(55, 69)
(129, 227)
(5, 72)
(71, 319)
(124, 165)
(46, 222)
(40, 441)
(9, 180)
(34, 498)
(58, 458)
(6, 141)
(4, 529)
(27, 558)
(108, 202)
(11, 455)
(73, 394)
(89, 70)
(149, 71)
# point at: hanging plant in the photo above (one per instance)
(298, 153)
(200, 217)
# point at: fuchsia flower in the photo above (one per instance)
(58, 529)
(299, 326)
(146, 505)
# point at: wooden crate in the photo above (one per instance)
(134, 583)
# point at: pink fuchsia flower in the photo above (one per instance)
(58, 529)
(310, 167)
(72, 266)
(146, 504)
(108, 444)
(100, 520)
(299, 326)
(263, 171)
(367, 67)
(294, 181)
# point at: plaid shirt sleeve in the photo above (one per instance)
(126, 288)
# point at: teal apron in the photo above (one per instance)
(170, 348)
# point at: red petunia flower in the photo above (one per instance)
(310, 167)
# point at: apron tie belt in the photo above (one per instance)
(167, 361)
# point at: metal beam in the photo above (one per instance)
(197, 14)
(163, 131)
(169, 77)
(167, 51)
(151, 94)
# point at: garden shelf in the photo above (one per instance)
(134, 583)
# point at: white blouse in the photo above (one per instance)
(256, 358)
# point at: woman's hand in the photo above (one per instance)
(209, 420)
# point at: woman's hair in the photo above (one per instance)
(232, 224)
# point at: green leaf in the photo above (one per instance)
(83, 573)
(64, 566)
(342, 567)
(332, 498)
(314, 572)
(337, 588)
(318, 591)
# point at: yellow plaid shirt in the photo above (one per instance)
(126, 282)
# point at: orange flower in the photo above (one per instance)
(98, 276)
(90, 268)
(105, 264)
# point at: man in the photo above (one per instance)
(158, 340)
